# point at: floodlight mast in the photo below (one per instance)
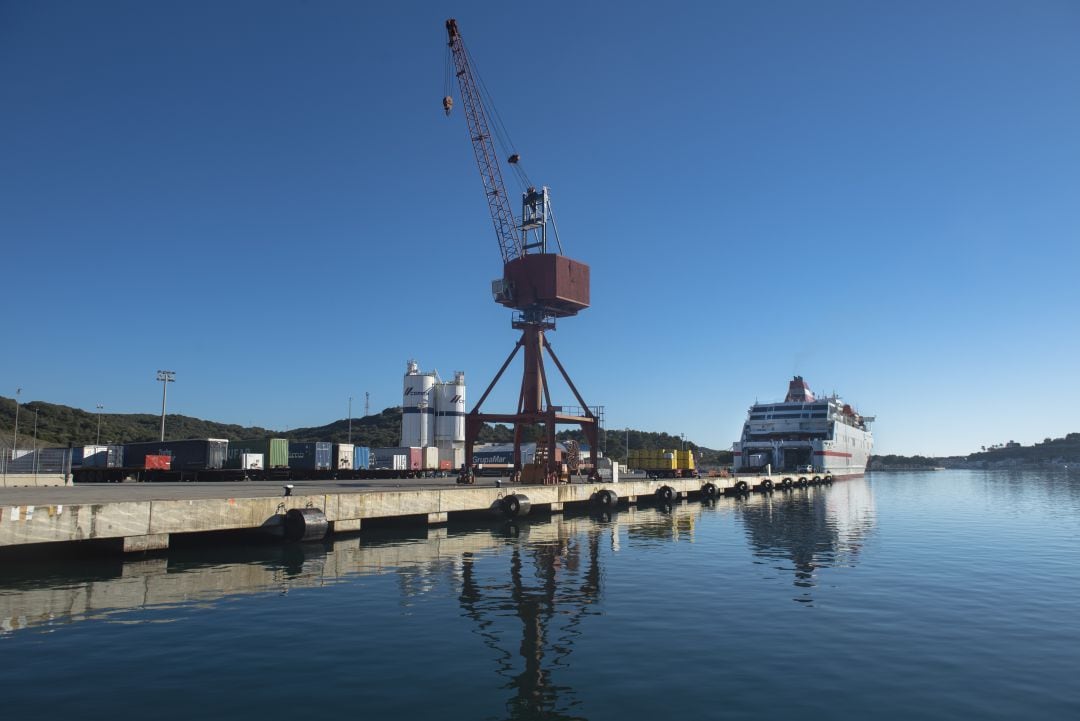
(165, 377)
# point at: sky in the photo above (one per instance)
(267, 199)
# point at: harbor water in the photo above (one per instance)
(929, 595)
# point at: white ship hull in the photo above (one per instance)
(804, 434)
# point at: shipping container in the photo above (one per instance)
(384, 458)
(275, 452)
(361, 458)
(153, 462)
(430, 456)
(252, 461)
(194, 454)
(97, 456)
(310, 455)
(414, 459)
(344, 457)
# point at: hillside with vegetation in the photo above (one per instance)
(1050, 452)
(58, 425)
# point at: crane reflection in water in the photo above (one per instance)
(546, 592)
(818, 527)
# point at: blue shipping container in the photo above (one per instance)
(361, 458)
(311, 456)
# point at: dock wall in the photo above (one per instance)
(147, 524)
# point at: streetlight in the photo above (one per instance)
(166, 377)
(35, 442)
(350, 419)
(99, 407)
(15, 440)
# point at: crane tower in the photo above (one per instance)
(540, 286)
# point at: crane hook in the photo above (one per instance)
(448, 104)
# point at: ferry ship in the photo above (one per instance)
(805, 434)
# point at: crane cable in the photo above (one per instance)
(502, 135)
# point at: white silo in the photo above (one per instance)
(450, 420)
(417, 413)
(450, 410)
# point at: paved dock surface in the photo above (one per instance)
(115, 492)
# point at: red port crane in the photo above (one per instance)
(540, 286)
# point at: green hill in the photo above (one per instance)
(58, 425)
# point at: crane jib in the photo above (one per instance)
(502, 215)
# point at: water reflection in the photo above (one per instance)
(546, 589)
(812, 528)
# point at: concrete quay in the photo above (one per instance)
(142, 517)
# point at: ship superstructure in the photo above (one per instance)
(804, 434)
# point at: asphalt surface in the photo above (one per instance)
(120, 492)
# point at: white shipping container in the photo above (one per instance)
(431, 458)
(251, 461)
(401, 463)
(343, 456)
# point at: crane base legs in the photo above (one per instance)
(534, 410)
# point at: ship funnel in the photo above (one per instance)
(798, 391)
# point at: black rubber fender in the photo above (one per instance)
(606, 498)
(786, 483)
(666, 494)
(827, 480)
(709, 490)
(516, 505)
(742, 487)
(816, 480)
(305, 524)
(802, 482)
(766, 485)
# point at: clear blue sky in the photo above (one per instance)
(267, 198)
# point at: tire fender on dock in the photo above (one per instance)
(708, 490)
(606, 499)
(666, 494)
(516, 505)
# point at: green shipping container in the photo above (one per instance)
(274, 450)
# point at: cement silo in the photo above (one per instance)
(417, 407)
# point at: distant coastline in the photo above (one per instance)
(1058, 453)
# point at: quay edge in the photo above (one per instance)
(146, 524)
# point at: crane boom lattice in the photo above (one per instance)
(484, 150)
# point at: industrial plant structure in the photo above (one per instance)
(433, 415)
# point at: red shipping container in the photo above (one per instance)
(158, 463)
(444, 465)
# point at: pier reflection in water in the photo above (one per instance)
(939, 595)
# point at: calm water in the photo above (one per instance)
(938, 595)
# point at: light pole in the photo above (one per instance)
(15, 440)
(35, 442)
(628, 447)
(350, 419)
(99, 407)
(166, 377)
